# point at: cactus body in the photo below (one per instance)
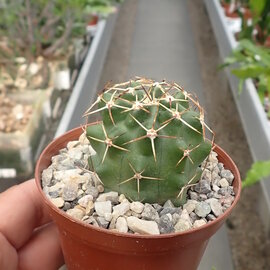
(150, 142)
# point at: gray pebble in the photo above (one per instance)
(168, 203)
(210, 217)
(47, 175)
(165, 224)
(215, 206)
(157, 206)
(66, 206)
(92, 191)
(193, 195)
(228, 175)
(203, 187)
(70, 191)
(149, 212)
(170, 210)
(54, 194)
(102, 222)
(193, 217)
(202, 209)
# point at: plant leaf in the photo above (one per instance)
(258, 170)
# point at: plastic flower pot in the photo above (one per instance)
(88, 247)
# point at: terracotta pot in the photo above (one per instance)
(88, 247)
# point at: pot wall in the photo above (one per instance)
(87, 247)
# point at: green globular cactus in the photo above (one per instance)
(150, 142)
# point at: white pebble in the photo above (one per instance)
(142, 226)
(103, 207)
(121, 225)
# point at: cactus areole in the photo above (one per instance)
(150, 142)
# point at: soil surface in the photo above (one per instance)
(247, 237)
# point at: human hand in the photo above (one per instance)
(28, 238)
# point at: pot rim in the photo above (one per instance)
(128, 235)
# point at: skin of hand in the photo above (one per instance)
(28, 238)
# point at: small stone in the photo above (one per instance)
(54, 194)
(193, 195)
(210, 217)
(223, 182)
(224, 191)
(175, 218)
(66, 206)
(198, 223)
(47, 175)
(226, 200)
(149, 212)
(228, 175)
(202, 209)
(206, 175)
(100, 188)
(202, 197)
(58, 202)
(184, 215)
(75, 153)
(92, 221)
(72, 144)
(215, 206)
(168, 203)
(157, 206)
(217, 195)
(92, 191)
(121, 225)
(85, 200)
(83, 139)
(102, 222)
(70, 191)
(108, 196)
(120, 209)
(220, 166)
(89, 210)
(182, 225)
(190, 205)
(193, 217)
(66, 174)
(108, 216)
(76, 213)
(215, 188)
(203, 187)
(165, 224)
(170, 210)
(121, 198)
(140, 226)
(137, 207)
(103, 207)
(57, 187)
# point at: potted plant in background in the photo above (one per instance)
(167, 187)
(42, 43)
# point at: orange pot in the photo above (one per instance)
(88, 247)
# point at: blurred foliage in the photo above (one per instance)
(253, 62)
(258, 28)
(31, 28)
(258, 171)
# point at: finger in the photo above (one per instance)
(8, 255)
(43, 251)
(21, 210)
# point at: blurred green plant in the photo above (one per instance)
(258, 171)
(253, 62)
(258, 28)
(31, 28)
